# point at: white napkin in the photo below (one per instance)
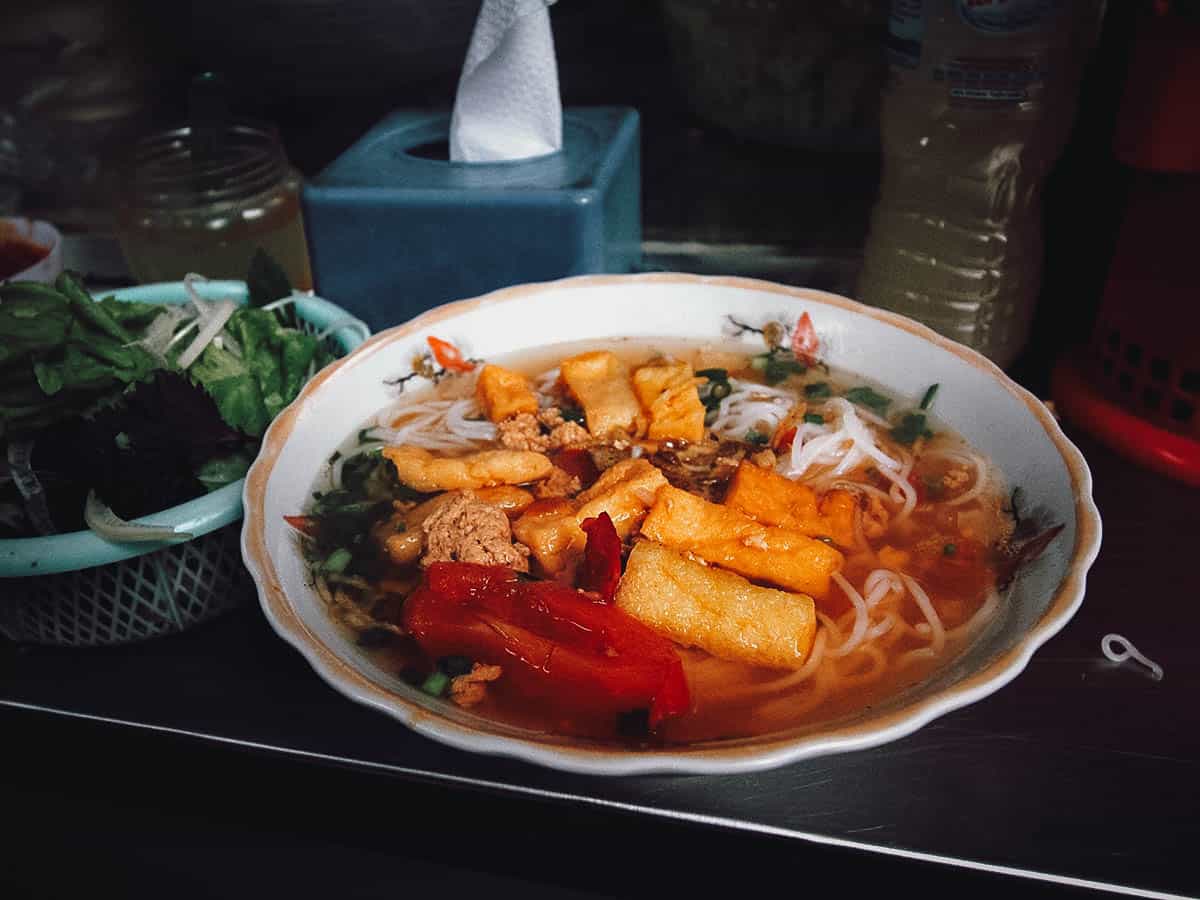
(508, 106)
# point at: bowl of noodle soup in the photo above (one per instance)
(840, 524)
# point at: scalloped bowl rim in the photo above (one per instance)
(744, 756)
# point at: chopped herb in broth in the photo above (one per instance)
(660, 544)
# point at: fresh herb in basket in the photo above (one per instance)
(146, 405)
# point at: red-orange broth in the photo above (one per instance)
(951, 545)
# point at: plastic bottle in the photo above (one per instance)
(979, 102)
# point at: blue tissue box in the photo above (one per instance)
(394, 228)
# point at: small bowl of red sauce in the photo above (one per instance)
(30, 250)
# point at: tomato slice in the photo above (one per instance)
(557, 645)
(448, 356)
(601, 568)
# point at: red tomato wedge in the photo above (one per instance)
(448, 356)
(601, 568)
(557, 645)
(805, 342)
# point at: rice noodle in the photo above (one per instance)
(845, 448)
(937, 631)
(815, 657)
(981, 480)
(879, 665)
(750, 405)
(862, 617)
(435, 425)
(980, 617)
(543, 386)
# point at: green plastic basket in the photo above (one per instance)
(81, 590)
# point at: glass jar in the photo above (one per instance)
(206, 202)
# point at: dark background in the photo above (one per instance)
(79, 79)
(94, 808)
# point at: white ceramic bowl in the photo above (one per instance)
(49, 266)
(998, 417)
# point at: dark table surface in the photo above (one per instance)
(1080, 771)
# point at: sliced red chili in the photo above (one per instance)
(805, 343)
(448, 356)
(600, 570)
(557, 645)
(783, 439)
(304, 524)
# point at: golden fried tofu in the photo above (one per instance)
(727, 538)
(548, 528)
(512, 500)
(667, 391)
(624, 491)
(401, 536)
(422, 471)
(722, 613)
(771, 498)
(600, 383)
(504, 393)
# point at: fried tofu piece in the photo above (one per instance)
(401, 536)
(511, 500)
(600, 383)
(548, 528)
(424, 472)
(667, 391)
(727, 538)
(771, 498)
(552, 530)
(504, 393)
(624, 491)
(722, 613)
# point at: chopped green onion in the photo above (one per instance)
(927, 400)
(864, 396)
(814, 418)
(335, 456)
(571, 414)
(949, 549)
(817, 390)
(911, 427)
(720, 390)
(364, 435)
(436, 684)
(756, 437)
(777, 365)
(337, 561)
(714, 374)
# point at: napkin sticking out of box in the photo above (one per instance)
(508, 105)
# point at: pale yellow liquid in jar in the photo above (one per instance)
(219, 244)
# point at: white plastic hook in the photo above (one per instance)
(1119, 648)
